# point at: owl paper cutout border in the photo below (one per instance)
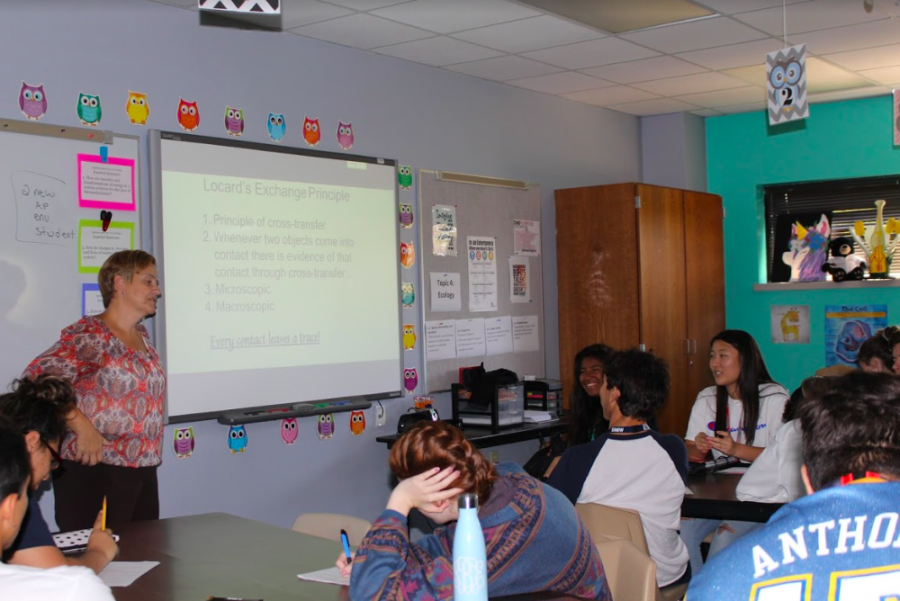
(786, 85)
(357, 422)
(289, 432)
(276, 126)
(325, 426)
(406, 216)
(183, 442)
(404, 177)
(88, 109)
(345, 137)
(136, 108)
(33, 101)
(407, 294)
(188, 115)
(410, 379)
(311, 133)
(234, 121)
(237, 439)
(409, 336)
(407, 255)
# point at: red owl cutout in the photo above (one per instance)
(357, 422)
(188, 115)
(311, 132)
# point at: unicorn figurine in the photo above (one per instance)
(879, 241)
(808, 251)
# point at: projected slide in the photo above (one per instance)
(280, 277)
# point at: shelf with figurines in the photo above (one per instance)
(812, 268)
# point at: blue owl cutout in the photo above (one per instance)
(408, 294)
(89, 110)
(237, 439)
(276, 126)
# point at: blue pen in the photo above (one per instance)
(346, 542)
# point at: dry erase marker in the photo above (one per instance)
(230, 599)
(346, 542)
(103, 520)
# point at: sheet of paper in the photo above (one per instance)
(519, 280)
(537, 416)
(470, 338)
(91, 299)
(106, 184)
(124, 573)
(525, 334)
(527, 237)
(445, 295)
(328, 575)
(482, 253)
(443, 230)
(498, 335)
(95, 245)
(440, 340)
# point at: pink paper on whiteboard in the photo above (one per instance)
(106, 184)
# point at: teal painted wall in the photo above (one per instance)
(839, 140)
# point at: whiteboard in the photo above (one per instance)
(41, 283)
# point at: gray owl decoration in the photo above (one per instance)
(786, 85)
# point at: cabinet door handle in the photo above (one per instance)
(694, 347)
(687, 346)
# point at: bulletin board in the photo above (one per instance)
(487, 215)
(54, 183)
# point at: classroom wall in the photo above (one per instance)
(839, 140)
(673, 151)
(416, 114)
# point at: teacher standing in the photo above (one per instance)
(114, 444)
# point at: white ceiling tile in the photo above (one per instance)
(438, 51)
(594, 53)
(303, 12)
(644, 70)
(560, 83)
(610, 96)
(888, 76)
(821, 76)
(686, 84)
(695, 35)
(749, 107)
(504, 68)
(447, 17)
(362, 31)
(365, 4)
(735, 55)
(707, 112)
(755, 74)
(867, 58)
(722, 98)
(850, 94)
(656, 106)
(810, 16)
(529, 34)
(851, 37)
(729, 7)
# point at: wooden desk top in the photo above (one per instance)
(714, 498)
(482, 436)
(228, 556)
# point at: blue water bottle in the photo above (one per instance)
(469, 559)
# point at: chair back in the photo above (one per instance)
(329, 525)
(612, 523)
(631, 574)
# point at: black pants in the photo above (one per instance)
(132, 495)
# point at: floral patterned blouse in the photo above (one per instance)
(119, 389)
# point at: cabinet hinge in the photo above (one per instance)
(637, 202)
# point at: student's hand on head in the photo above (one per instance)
(102, 541)
(724, 443)
(346, 567)
(425, 489)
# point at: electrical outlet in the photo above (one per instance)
(495, 456)
(380, 416)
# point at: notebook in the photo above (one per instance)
(75, 541)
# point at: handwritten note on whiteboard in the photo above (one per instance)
(44, 208)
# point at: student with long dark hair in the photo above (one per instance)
(738, 417)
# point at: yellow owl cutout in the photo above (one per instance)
(409, 336)
(137, 108)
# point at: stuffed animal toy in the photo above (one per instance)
(843, 264)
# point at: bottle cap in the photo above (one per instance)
(468, 500)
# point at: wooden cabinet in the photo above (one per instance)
(642, 265)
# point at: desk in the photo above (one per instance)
(224, 555)
(482, 437)
(714, 498)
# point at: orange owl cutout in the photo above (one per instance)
(188, 115)
(311, 132)
(357, 422)
(407, 254)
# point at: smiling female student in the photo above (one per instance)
(738, 417)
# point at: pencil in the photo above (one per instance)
(103, 521)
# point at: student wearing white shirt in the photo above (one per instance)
(738, 417)
(65, 583)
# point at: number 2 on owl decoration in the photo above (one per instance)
(786, 85)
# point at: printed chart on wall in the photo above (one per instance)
(847, 327)
(481, 266)
(69, 197)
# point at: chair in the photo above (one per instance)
(329, 525)
(607, 524)
(630, 573)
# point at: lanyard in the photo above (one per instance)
(629, 429)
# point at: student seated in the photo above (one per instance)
(840, 541)
(534, 539)
(631, 466)
(875, 354)
(39, 408)
(21, 582)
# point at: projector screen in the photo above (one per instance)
(280, 275)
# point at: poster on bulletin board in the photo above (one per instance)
(847, 327)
